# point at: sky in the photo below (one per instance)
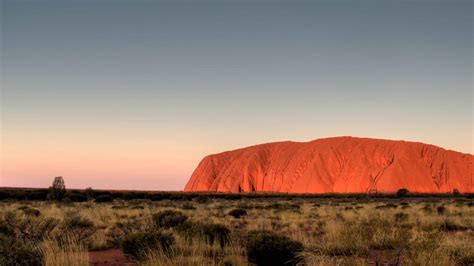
(133, 94)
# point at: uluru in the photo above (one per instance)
(335, 165)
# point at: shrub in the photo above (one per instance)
(77, 197)
(237, 213)
(267, 248)
(137, 244)
(104, 198)
(121, 229)
(30, 211)
(450, 225)
(402, 192)
(78, 227)
(456, 192)
(427, 209)
(400, 217)
(14, 252)
(441, 210)
(168, 218)
(210, 231)
(31, 229)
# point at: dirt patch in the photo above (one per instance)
(109, 257)
(384, 257)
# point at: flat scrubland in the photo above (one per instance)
(234, 230)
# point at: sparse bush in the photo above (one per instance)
(122, 229)
(168, 218)
(424, 249)
(30, 211)
(400, 217)
(209, 231)
(441, 210)
(30, 229)
(104, 198)
(237, 213)
(427, 209)
(267, 248)
(14, 252)
(450, 225)
(78, 227)
(137, 244)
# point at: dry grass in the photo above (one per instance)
(333, 232)
(67, 252)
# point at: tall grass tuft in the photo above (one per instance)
(66, 252)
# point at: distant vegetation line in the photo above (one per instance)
(81, 195)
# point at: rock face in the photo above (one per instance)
(335, 165)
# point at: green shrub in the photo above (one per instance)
(104, 198)
(168, 219)
(210, 231)
(267, 248)
(237, 213)
(137, 244)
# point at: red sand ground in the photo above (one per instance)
(110, 257)
(335, 165)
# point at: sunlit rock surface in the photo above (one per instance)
(335, 165)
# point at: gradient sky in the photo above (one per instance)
(132, 94)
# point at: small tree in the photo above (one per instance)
(89, 193)
(58, 189)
